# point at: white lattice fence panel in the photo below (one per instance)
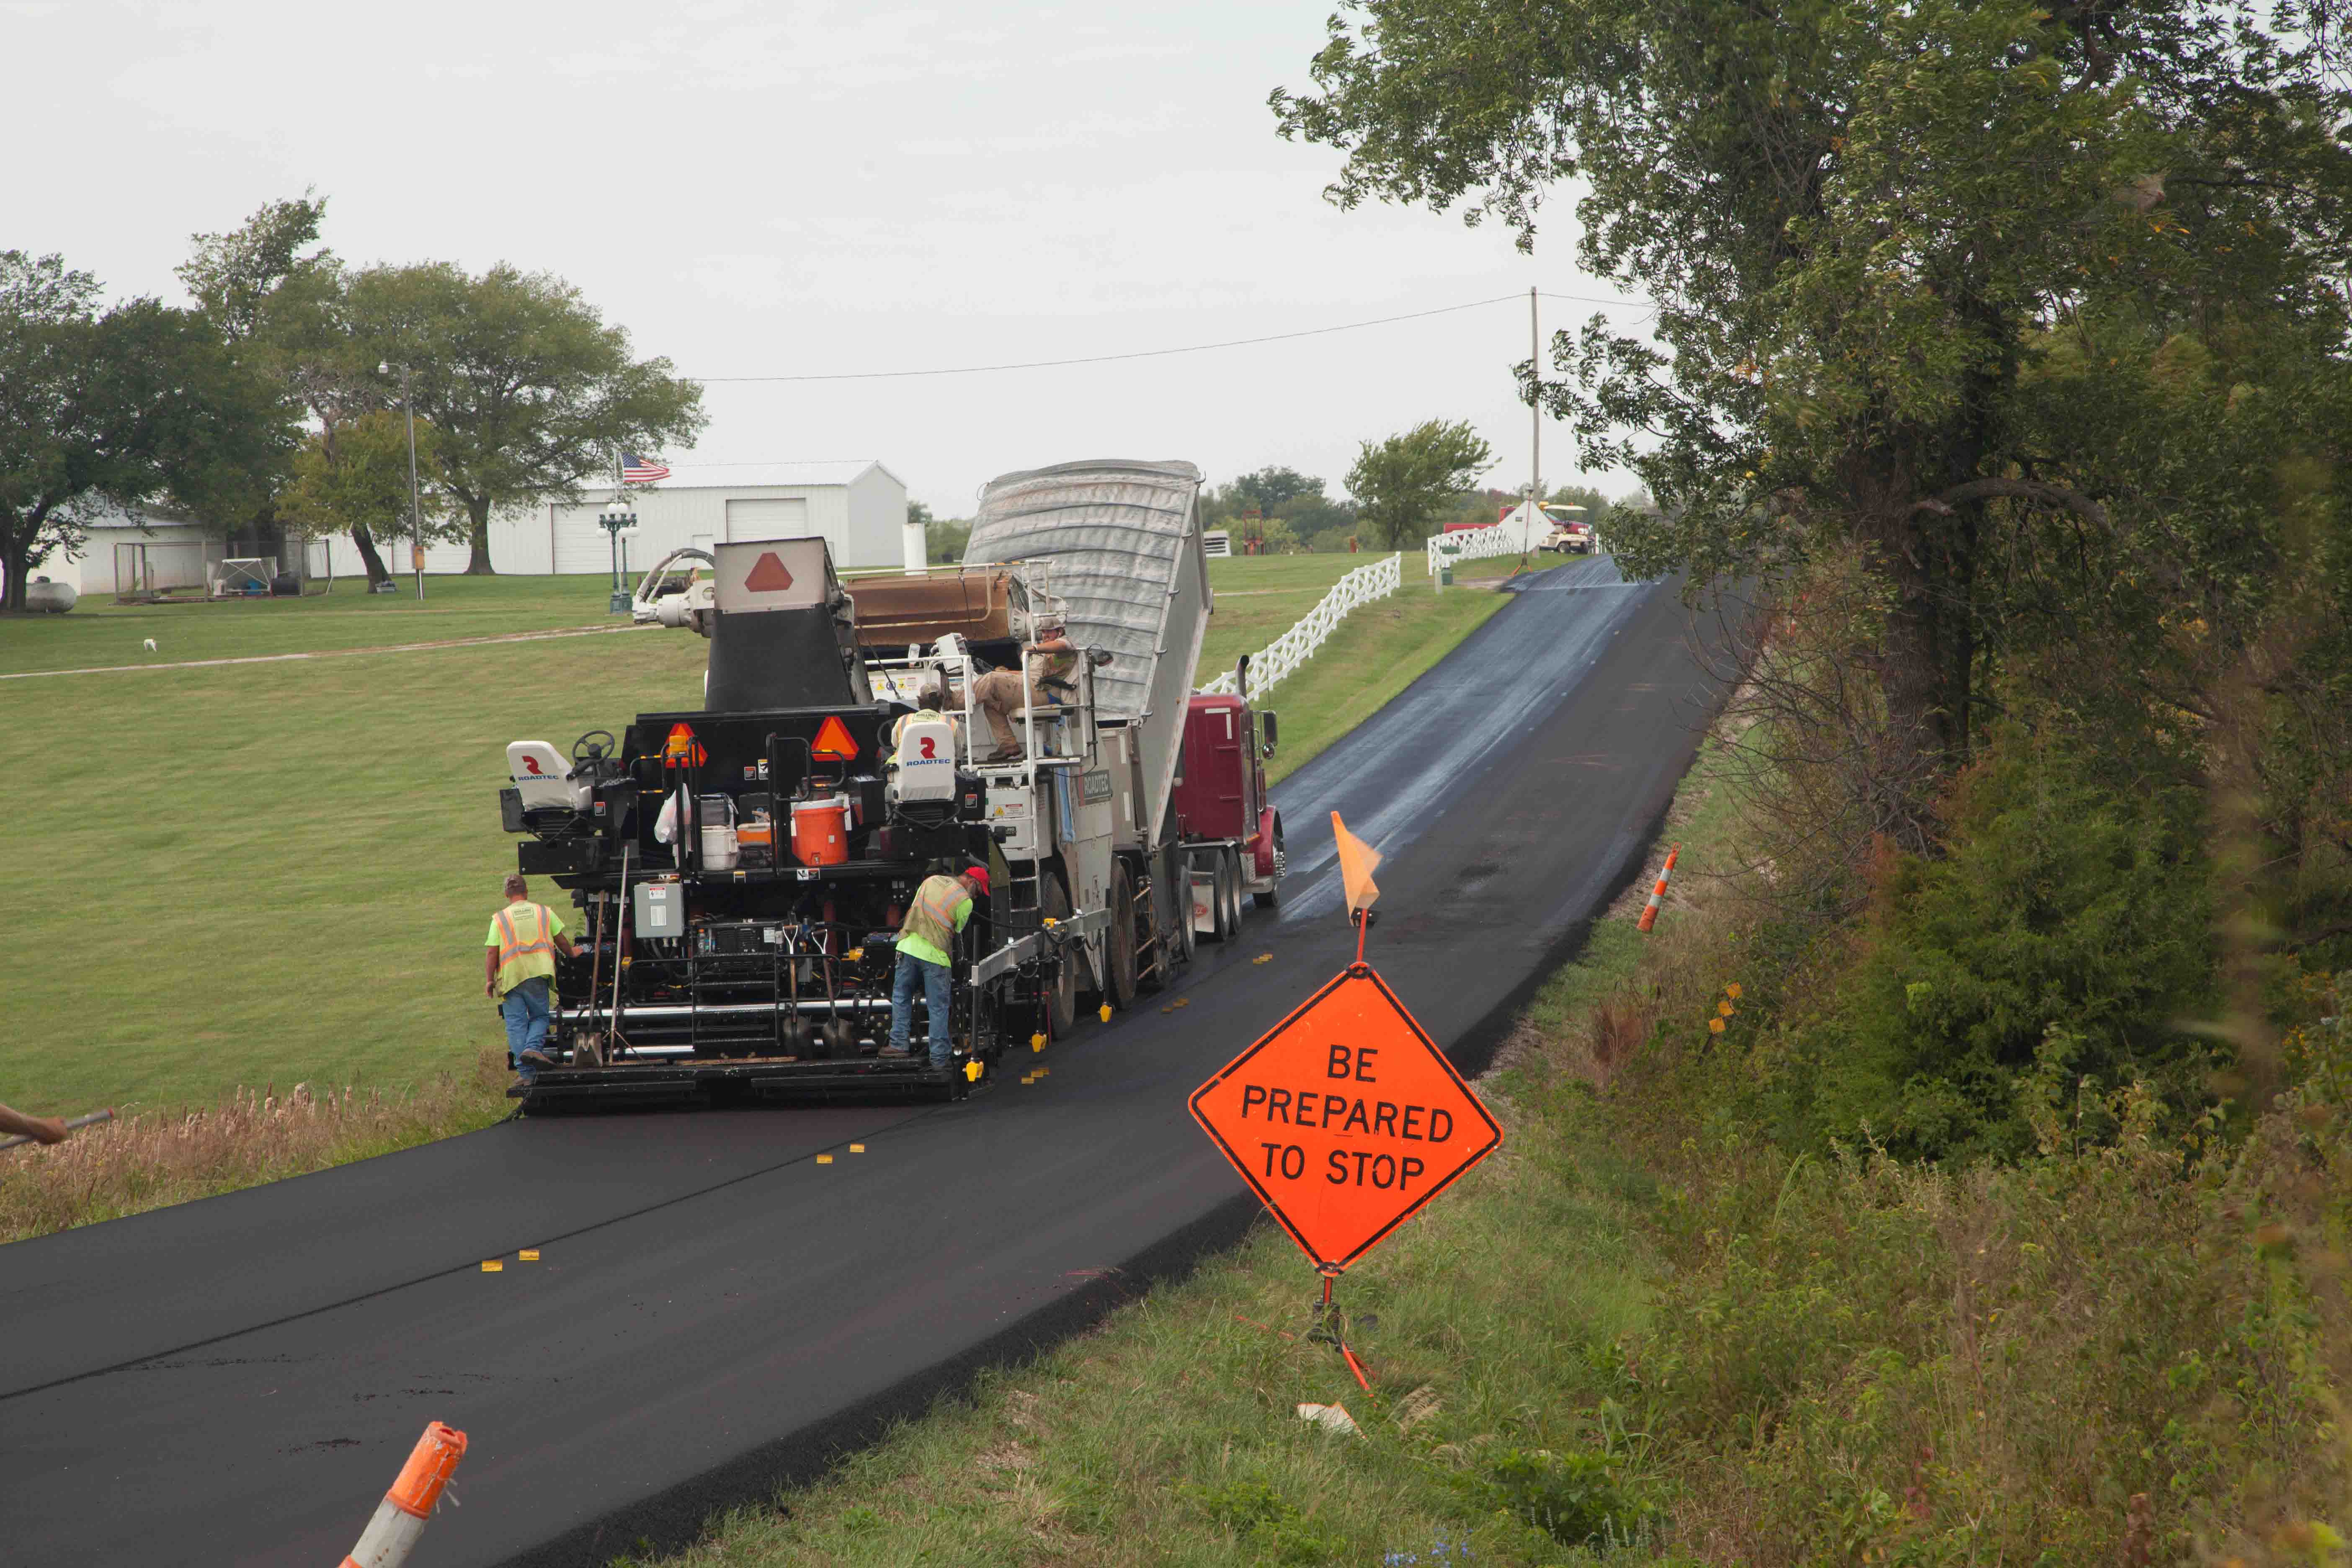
(1296, 646)
(1473, 544)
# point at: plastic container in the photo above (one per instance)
(720, 850)
(821, 830)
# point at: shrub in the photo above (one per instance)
(2061, 940)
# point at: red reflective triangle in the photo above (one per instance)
(834, 742)
(682, 750)
(767, 574)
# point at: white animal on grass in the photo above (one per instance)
(151, 644)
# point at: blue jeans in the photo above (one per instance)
(525, 1007)
(933, 978)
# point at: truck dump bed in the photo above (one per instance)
(1123, 540)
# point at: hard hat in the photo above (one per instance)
(977, 875)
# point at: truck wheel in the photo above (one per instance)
(1118, 943)
(1232, 869)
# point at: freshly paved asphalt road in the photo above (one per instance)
(237, 1380)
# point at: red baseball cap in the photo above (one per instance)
(976, 874)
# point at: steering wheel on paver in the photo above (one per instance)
(594, 746)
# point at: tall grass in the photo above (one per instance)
(147, 1161)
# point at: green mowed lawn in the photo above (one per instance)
(280, 873)
(98, 632)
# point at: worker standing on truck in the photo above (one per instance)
(1000, 693)
(942, 906)
(519, 962)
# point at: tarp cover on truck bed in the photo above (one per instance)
(1122, 543)
(1124, 547)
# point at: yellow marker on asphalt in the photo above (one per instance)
(491, 1266)
(1262, 958)
(1036, 1042)
(1105, 1012)
(824, 1159)
(529, 1255)
(858, 1148)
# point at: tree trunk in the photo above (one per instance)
(368, 556)
(479, 564)
(13, 560)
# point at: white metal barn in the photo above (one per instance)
(859, 507)
(178, 552)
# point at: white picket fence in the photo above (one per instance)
(1476, 543)
(1296, 646)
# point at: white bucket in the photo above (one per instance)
(718, 848)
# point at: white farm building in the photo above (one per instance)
(859, 507)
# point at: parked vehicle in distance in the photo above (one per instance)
(1569, 539)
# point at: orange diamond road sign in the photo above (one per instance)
(1345, 1119)
(767, 574)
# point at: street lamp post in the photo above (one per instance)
(415, 512)
(615, 519)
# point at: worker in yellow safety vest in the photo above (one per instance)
(519, 971)
(1050, 661)
(942, 905)
(928, 706)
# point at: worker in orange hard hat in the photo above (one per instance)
(941, 908)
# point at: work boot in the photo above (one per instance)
(536, 1059)
(894, 1053)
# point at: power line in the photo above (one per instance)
(1151, 353)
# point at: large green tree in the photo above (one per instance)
(1401, 483)
(2025, 301)
(354, 475)
(120, 406)
(532, 391)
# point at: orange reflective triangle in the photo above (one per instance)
(834, 742)
(682, 750)
(1357, 861)
(767, 574)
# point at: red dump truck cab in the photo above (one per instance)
(1232, 835)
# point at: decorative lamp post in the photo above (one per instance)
(617, 519)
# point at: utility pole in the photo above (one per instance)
(415, 512)
(1535, 407)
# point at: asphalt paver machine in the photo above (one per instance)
(740, 869)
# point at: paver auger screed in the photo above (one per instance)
(742, 869)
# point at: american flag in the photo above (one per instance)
(636, 471)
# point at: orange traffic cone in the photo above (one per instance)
(400, 1518)
(1658, 893)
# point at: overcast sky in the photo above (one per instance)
(765, 189)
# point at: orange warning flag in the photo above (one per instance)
(1357, 861)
